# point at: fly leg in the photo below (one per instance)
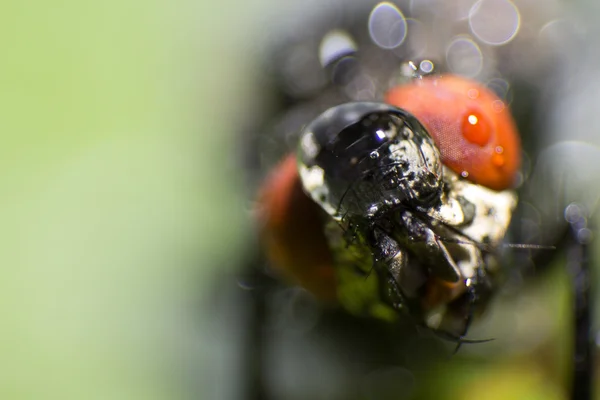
(391, 263)
(440, 260)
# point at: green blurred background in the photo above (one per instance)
(116, 121)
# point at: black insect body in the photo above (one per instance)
(377, 173)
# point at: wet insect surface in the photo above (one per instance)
(427, 233)
(393, 172)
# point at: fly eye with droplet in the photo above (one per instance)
(470, 125)
(476, 128)
(362, 158)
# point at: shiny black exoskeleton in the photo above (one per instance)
(363, 158)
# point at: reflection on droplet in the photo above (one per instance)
(344, 70)
(585, 235)
(494, 22)
(335, 45)
(387, 26)
(558, 32)
(556, 39)
(426, 66)
(573, 213)
(499, 86)
(464, 57)
(519, 179)
(374, 155)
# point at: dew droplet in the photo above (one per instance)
(494, 22)
(426, 66)
(464, 174)
(334, 46)
(374, 154)
(573, 213)
(387, 26)
(585, 235)
(498, 160)
(464, 57)
(475, 128)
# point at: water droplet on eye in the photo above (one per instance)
(475, 128)
(374, 154)
(498, 160)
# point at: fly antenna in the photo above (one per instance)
(526, 246)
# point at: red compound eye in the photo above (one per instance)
(471, 126)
